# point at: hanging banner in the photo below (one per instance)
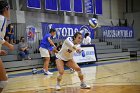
(51, 5)
(67, 30)
(31, 34)
(35, 4)
(89, 9)
(117, 32)
(78, 6)
(98, 6)
(65, 5)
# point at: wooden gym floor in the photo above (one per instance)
(115, 77)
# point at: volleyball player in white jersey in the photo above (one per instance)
(4, 15)
(65, 56)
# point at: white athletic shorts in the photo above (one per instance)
(44, 52)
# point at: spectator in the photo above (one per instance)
(23, 49)
(10, 33)
(87, 39)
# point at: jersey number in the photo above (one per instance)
(69, 50)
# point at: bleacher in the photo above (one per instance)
(105, 51)
(13, 62)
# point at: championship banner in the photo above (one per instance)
(117, 32)
(67, 30)
(51, 5)
(89, 9)
(35, 4)
(65, 5)
(99, 7)
(87, 55)
(78, 6)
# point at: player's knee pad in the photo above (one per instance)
(59, 77)
(80, 74)
(3, 84)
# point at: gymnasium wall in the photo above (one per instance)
(112, 11)
(134, 14)
(136, 17)
(136, 5)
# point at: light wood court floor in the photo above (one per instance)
(122, 77)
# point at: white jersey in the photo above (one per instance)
(2, 29)
(67, 51)
(87, 40)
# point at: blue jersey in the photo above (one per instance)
(45, 43)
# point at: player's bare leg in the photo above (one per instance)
(60, 67)
(73, 65)
(3, 77)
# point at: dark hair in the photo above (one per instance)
(76, 34)
(21, 38)
(86, 34)
(9, 26)
(55, 44)
(52, 30)
(3, 5)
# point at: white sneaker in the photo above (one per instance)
(48, 73)
(85, 86)
(72, 70)
(34, 71)
(57, 87)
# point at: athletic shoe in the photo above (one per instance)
(34, 71)
(71, 70)
(85, 86)
(47, 73)
(58, 87)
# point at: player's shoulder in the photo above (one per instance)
(69, 38)
(2, 18)
(47, 35)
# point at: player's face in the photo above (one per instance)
(53, 33)
(78, 39)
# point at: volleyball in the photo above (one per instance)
(93, 23)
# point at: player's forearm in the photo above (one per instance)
(74, 47)
(7, 44)
(51, 42)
